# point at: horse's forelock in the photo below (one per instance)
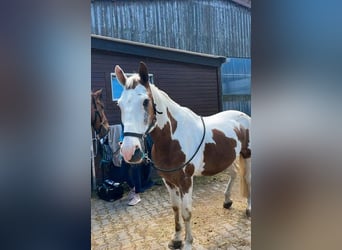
(132, 81)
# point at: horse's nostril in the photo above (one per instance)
(137, 156)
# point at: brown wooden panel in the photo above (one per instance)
(190, 85)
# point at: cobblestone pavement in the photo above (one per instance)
(150, 224)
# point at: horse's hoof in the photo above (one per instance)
(227, 204)
(175, 244)
(248, 213)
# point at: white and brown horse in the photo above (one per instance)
(185, 144)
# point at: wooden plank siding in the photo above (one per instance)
(194, 86)
(218, 27)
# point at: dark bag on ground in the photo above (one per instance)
(110, 191)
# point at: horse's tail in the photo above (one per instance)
(244, 189)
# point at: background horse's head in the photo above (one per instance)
(99, 120)
(137, 112)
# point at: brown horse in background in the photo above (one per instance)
(100, 128)
(99, 121)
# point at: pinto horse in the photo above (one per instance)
(99, 120)
(185, 144)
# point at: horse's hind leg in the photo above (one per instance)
(176, 242)
(232, 176)
(245, 184)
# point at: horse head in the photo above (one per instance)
(138, 113)
(99, 120)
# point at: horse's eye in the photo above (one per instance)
(145, 103)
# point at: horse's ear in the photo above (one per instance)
(143, 73)
(97, 93)
(120, 75)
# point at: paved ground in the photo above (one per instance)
(150, 224)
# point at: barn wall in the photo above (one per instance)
(236, 84)
(218, 27)
(190, 85)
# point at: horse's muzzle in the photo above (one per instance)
(137, 157)
(132, 150)
(131, 155)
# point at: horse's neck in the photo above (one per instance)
(178, 129)
(168, 107)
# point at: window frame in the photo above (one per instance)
(114, 80)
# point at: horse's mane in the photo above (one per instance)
(165, 96)
(167, 99)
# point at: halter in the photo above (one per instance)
(149, 129)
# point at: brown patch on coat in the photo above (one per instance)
(243, 136)
(219, 155)
(172, 186)
(149, 109)
(189, 169)
(167, 154)
(180, 178)
(172, 121)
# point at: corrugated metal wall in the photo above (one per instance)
(236, 84)
(218, 27)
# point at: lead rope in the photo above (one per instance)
(148, 160)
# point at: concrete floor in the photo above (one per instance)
(150, 224)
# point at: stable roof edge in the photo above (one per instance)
(154, 51)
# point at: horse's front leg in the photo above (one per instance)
(186, 214)
(176, 242)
